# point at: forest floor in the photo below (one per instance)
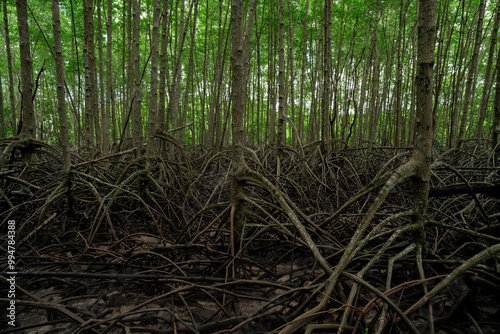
(150, 253)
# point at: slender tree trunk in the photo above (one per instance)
(411, 84)
(189, 77)
(175, 89)
(488, 76)
(384, 102)
(137, 103)
(291, 70)
(398, 137)
(78, 92)
(110, 99)
(238, 111)
(124, 79)
(312, 128)
(472, 74)
(60, 78)
(91, 107)
(259, 75)
(337, 74)
(75, 115)
(327, 70)
(495, 133)
(163, 67)
(373, 112)
(364, 80)
(102, 107)
(28, 117)
(303, 72)
(203, 96)
(12, 100)
(281, 86)
(88, 116)
(463, 44)
(445, 27)
(153, 96)
(130, 71)
(3, 128)
(271, 110)
(215, 118)
(27, 109)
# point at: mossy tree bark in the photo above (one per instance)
(422, 149)
(239, 59)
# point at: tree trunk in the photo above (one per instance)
(215, 117)
(291, 71)
(327, 70)
(3, 128)
(312, 127)
(102, 107)
(175, 88)
(189, 77)
(463, 45)
(130, 72)
(110, 99)
(28, 117)
(445, 26)
(238, 94)
(238, 111)
(398, 105)
(303, 72)
(495, 133)
(203, 96)
(91, 107)
(259, 125)
(153, 95)
(472, 74)
(60, 78)
(487, 76)
(373, 112)
(281, 86)
(271, 110)
(12, 100)
(422, 149)
(137, 97)
(163, 67)
(364, 80)
(27, 110)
